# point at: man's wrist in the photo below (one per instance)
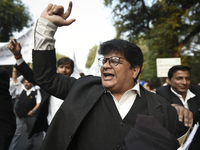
(18, 56)
(33, 111)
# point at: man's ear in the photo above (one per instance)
(135, 71)
(168, 81)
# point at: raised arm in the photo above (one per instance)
(21, 65)
(44, 60)
(14, 75)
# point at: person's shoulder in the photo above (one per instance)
(159, 99)
(156, 96)
(194, 88)
(90, 77)
(3, 71)
(163, 88)
(4, 74)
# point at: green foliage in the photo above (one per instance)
(14, 16)
(91, 56)
(58, 56)
(167, 28)
(8, 68)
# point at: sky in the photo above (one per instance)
(93, 25)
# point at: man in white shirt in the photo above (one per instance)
(180, 92)
(29, 101)
(13, 88)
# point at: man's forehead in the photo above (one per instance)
(65, 64)
(182, 73)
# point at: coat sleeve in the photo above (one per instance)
(26, 71)
(44, 71)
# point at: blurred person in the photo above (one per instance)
(99, 112)
(12, 88)
(167, 82)
(26, 107)
(180, 92)
(7, 117)
(49, 104)
(147, 86)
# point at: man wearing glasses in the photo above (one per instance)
(100, 113)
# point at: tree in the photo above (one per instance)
(168, 27)
(14, 16)
(91, 56)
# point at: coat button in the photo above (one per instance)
(122, 124)
(119, 147)
(71, 136)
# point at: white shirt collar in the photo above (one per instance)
(135, 88)
(127, 100)
(189, 95)
(29, 91)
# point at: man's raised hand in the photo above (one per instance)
(56, 14)
(14, 47)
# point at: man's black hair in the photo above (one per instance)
(175, 68)
(64, 60)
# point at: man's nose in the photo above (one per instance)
(63, 69)
(184, 81)
(107, 64)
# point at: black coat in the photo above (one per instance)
(80, 97)
(7, 116)
(194, 106)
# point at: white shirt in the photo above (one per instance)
(127, 100)
(189, 95)
(54, 105)
(20, 88)
(13, 87)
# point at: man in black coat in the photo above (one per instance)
(98, 113)
(7, 116)
(181, 92)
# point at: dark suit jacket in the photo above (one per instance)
(194, 106)
(7, 117)
(40, 123)
(80, 96)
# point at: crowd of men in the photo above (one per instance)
(109, 112)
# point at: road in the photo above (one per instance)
(23, 141)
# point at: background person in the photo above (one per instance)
(7, 117)
(180, 93)
(49, 104)
(26, 107)
(12, 88)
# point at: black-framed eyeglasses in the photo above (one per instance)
(113, 61)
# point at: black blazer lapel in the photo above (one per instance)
(193, 104)
(153, 105)
(174, 99)
(91, 99)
